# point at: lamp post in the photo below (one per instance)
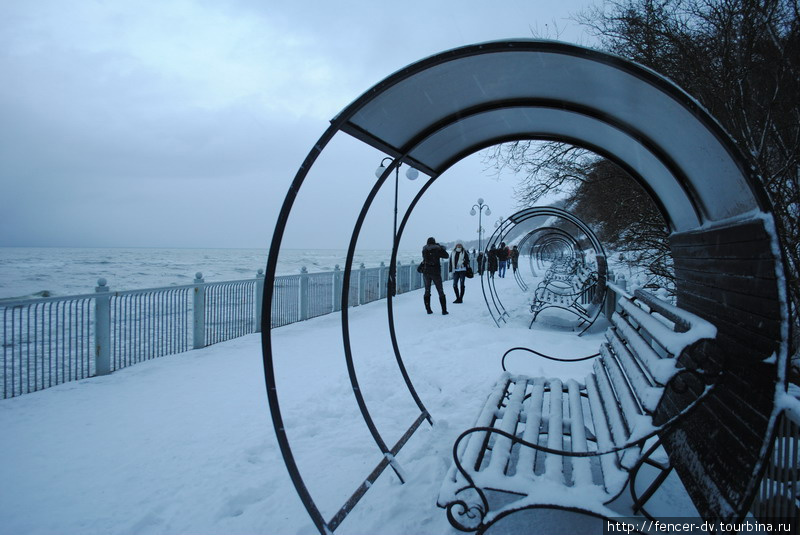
(411, 174)
(499, 221)
(480, 206)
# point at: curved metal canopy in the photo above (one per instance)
(437, 111)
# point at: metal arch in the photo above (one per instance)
(527, 213)
(266, 337)
(499, 313)
(390, 301)
(553, 230)
(547, 245)
(487, 281)
(348, 350)
(266, 333)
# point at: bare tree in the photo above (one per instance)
(741, 60)
(625, 218)
(546, 167)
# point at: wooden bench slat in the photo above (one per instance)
(625, 397)
(581, 467)
(661, 370)
(614, 413)
(501, 450)
(527, 456)
(646, 393)
(628, 408)
(473, 447)
(608, 463)
(616, 423)
(554, 464)
(647, 321)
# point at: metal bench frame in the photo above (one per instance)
(570, 294)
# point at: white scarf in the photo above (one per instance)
(458, 261)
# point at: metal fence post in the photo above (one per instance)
(621, 282)
(382, 281)
(397, 286)
(102, 329)
(303, 293)
(259, 299)
(611, 300)
(362, 284)
(199, 308)
(337, 288)
(612, 297)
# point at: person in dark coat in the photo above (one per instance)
(459, 261)
(492, 260)
(502, 259)
(432, 273)
(481, 263)
(515, 258)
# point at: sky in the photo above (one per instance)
(181, 123)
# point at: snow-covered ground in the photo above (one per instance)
(184, 444)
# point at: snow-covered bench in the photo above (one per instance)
(575, 446)
(573, 295)
(561, 270)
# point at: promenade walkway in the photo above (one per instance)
(184, 443)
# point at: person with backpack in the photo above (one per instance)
(432, 273)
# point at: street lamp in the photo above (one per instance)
(480, 206)
(411, 174)
(499, 221)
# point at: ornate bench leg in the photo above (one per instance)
(640, 501)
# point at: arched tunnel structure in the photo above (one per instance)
(547, 230)
(728, 263)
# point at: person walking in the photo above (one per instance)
(459, 260)
(481, 263)
(502, 259)
(514, 258)
(492, 260)
(432, 273)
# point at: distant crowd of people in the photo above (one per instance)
(496, 260)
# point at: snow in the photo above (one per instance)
(788, 402)
(184, 444)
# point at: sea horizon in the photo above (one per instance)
(37, 271)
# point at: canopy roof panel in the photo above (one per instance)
(439, 110)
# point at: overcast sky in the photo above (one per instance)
(181, 123)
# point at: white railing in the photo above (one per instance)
(53, 340)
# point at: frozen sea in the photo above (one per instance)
(55, 271)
